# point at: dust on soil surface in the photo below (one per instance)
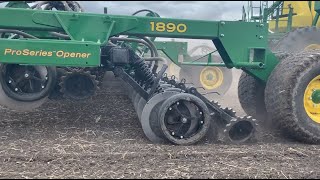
(102, 138)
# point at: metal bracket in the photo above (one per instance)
(213, 107)
(157, 80)
(119, 72)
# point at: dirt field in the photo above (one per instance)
(101, 138)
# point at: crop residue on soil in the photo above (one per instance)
(102, 138)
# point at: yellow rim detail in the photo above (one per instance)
(312, 46)
(312, 108)
(211, 77)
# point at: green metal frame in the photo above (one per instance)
(317, 10)
(240, 44)
(173, 50)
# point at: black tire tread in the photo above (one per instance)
(247, 94)
(280, 107)
(295, 41)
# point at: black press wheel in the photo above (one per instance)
(184, 119)
(27, 83)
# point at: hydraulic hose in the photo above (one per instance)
(17, 32)
(156, 64)
(145, 10)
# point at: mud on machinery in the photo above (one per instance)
(61, 54)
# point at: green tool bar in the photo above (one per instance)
(202, 64)
(233, 39)
(249, 64)
(96, 27)
(237, 65)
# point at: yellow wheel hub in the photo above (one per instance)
(312, 46)
(312, 99)
(211, 77)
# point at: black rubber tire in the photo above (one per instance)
(195, 138)
(150, 117)
(52, 79)
(251, 96)
(296, 40)
(284, 96)
(19, 106)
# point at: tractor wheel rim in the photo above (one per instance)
(312, 99)
(211, 78)
(312, 46)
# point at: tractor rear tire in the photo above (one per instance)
(251, 96)
(285, 96)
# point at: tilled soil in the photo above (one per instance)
(102, 138)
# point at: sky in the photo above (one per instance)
(200, 10)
